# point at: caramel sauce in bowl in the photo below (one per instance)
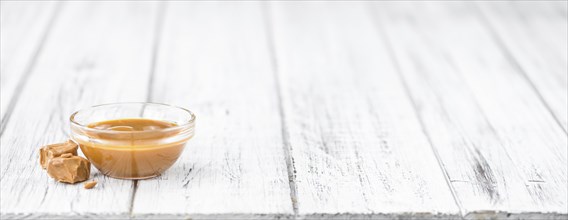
(132, 140)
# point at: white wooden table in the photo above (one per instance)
(306, 110)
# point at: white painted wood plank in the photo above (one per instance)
(501, 147)
(214, 59)
(23, 25)
(98, 52)
(356, 143)
(535, 34)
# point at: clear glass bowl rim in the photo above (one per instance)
(187, 124)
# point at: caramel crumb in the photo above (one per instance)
(90, 185)
(67, 155)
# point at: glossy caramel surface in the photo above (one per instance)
(132, 148)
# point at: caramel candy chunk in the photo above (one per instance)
(48, 152)
(90, 185)
(69, 169)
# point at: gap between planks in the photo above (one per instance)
(396, 63)
(348, 184)
(192, 56)
(158, 29)
(267, 16)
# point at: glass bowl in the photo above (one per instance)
(132, 140)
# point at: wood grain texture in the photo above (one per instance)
(534, 34)
(499, 144)
(305, 110)
(24, 27)
(214, 59)
(356, 144)
(97, 53)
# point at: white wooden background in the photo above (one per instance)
(306, 110)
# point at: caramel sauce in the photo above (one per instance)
(132, 148)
